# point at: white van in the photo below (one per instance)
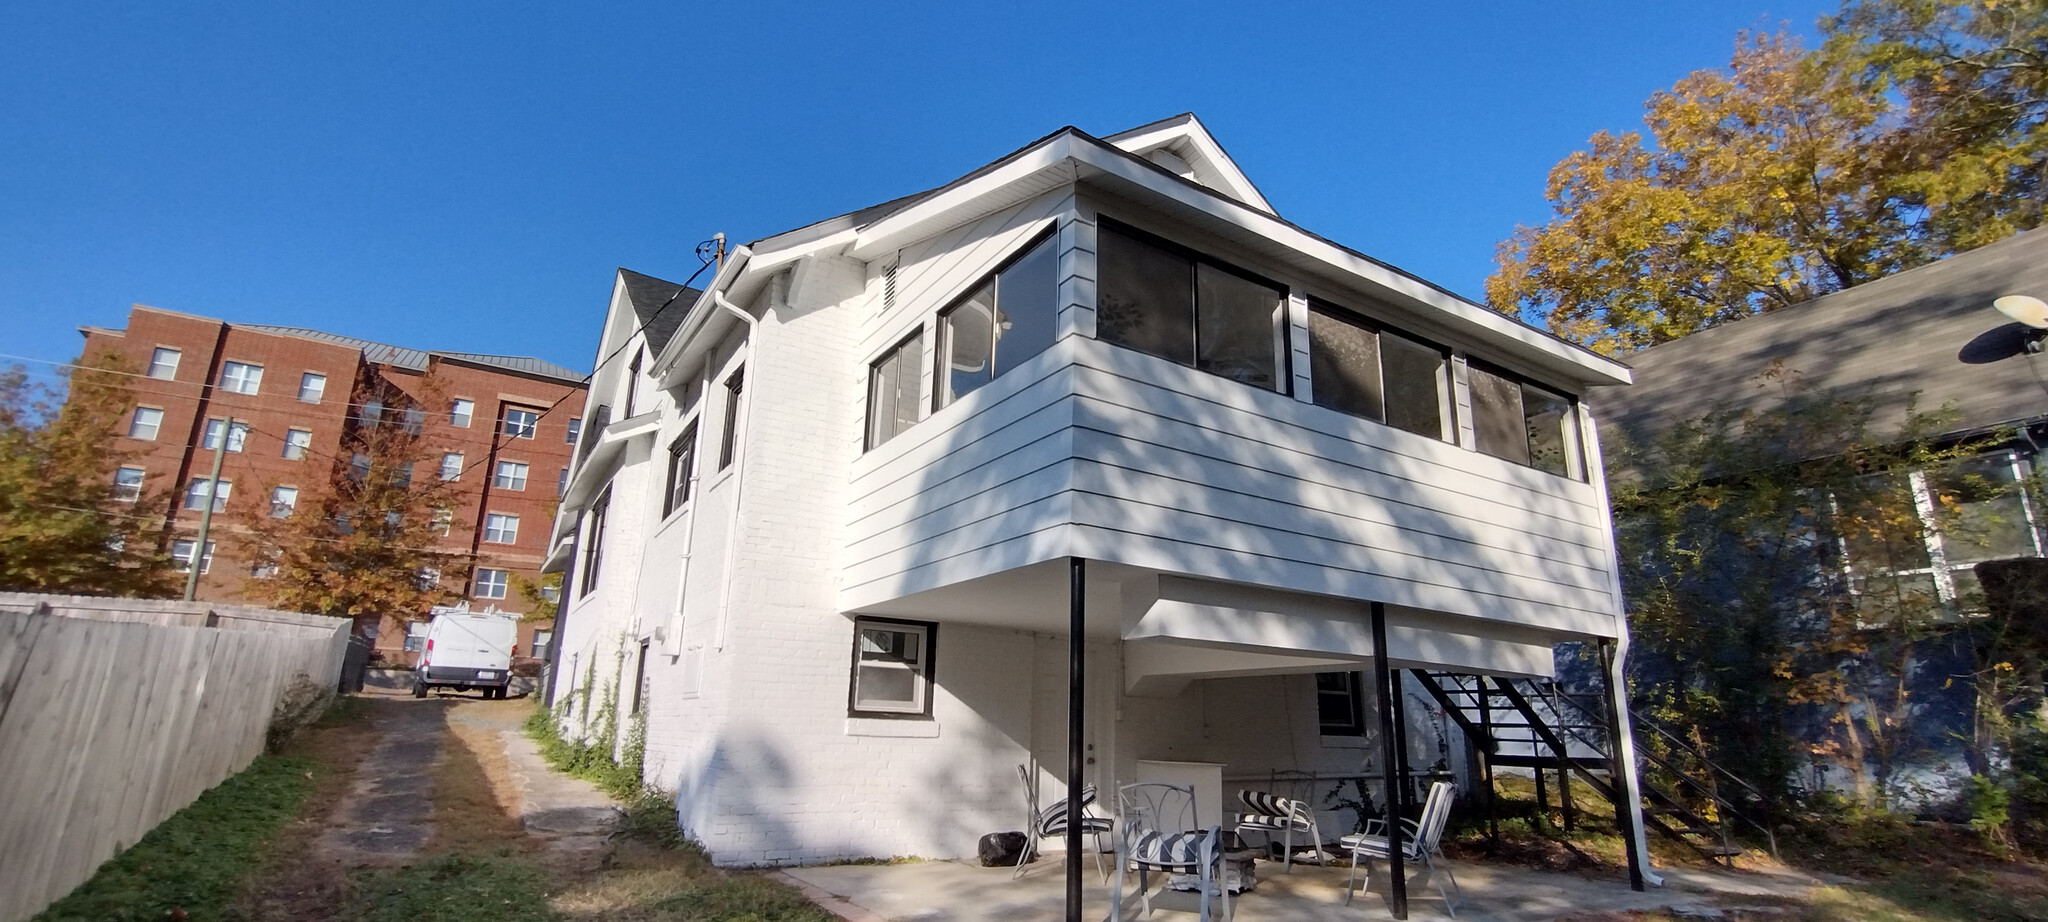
(467, 649)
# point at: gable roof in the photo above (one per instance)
(658, 304)
(1184, 136)
(1927, 336)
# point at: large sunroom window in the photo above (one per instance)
(1362, 370)
(1011, 316)
(1526, 424)
(1158, 298)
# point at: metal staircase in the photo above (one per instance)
(1529, 723)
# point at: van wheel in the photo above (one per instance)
(419, 689)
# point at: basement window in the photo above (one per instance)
(892, 669)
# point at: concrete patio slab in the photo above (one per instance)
(949, 891)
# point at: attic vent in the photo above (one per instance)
(889, 288)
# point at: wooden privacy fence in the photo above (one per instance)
(116, 713)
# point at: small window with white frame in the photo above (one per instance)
(460, 411)
(451, 465)
(237, 435)
(241, 377)
(892, 668)
(163, 363)
(521, 423)
(128, 484)
(296, 443)
(282, 501)
(181, 555)
(491, 584)
(501, 528)
(145, 423)
(511, 475)
(312, 386)
(200, 488)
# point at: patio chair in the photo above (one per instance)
(1158, 829)
(1273, 816)
(1051, 822)
(1422, 843)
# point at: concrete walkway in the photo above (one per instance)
(386, 815)
(569, 813)
(943, 891)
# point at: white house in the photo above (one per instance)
(822, 523)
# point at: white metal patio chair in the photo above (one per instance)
(1051, 823)
(1280, 817)
(1421, 844)
(1158, 829)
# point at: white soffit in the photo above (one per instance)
(1185, 137)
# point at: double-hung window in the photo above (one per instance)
(163, 363)
(892, 668)
(511, 475)
(128, 484)
(491, 584)
(1360, 369)
(200, 488)
(593, 538)
(460, 411)
(241, 377)
(682, 464)
(501, 528)
(1009, 317)
(237, 435)
(296, 442)
(312, 386)
(575, 429)
(181, 555)
(893, 389)
(728, 444)
(282, 501)
(1525, 423)
(451, 465)
(1339, 706)
(146, 422)
(1159, 298)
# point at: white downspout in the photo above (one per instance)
(739, 461)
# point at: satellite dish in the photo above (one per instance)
(2025, 309)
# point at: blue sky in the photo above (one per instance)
(466, 176)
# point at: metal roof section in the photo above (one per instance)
(418, 359)
(1926, 338)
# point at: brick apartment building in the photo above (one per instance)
(289, 392)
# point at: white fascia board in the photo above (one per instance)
(685, 341)
(602, 462)
(1487, 324)
(885, 235)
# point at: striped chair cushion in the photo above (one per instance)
(1175, 850)
(1266, 811)
(1052, 821)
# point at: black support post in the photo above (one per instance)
(1390, 761)
(1077, 577)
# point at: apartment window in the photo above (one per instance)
(145, 423)
(441, 521)
(416, 635)
(282, 501)
(1363, 370)
(892, 668)
(263, 569)
(562, 482)
(729, 441)
(460, 411)
(427, 578)
(358, 466)
(1340, 709)
(575, 430)
(682, 464)
(892, 390)
(296, 442)
(491, 584)
(403, 474)
(451, 465)
(593, 547)
(128, 484)
(1914, 539)
(521, 424)
(181, 555)
(200, 488)
(1011, 316)
(373, 411)
(238, 435)
(1167, 301)
(1524, 423)
(511, 475)
(241, 377)
(413, 419)
(312, 387)
(501, 528)
(163, 363)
